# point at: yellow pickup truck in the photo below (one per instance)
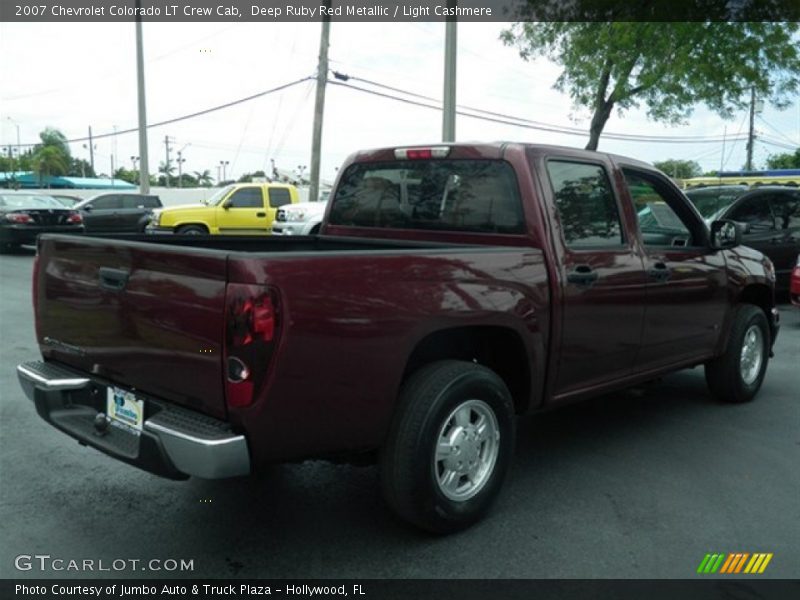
(242, 208)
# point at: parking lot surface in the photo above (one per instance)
(640, 484)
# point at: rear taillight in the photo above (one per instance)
(35, 293)
(251, 323)
(75, 218)
(19, 218)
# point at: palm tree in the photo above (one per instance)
(49, 160)
(203, 178)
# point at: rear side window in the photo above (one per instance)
(586, 205)
(246, 198)
(152, 202)
(279, 197)
(451, 195)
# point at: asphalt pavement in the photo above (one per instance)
(640, 484)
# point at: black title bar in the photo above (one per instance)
(68, 11)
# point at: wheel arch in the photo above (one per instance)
(498, 348)
(178, 226)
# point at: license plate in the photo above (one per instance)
(125, 408)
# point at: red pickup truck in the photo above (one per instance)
(452, 288)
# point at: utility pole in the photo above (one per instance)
(144, 171)
(91, 149)
(219, 170)
(449, 101)
(751, 135)
(112, 169)
(166, 164)
(180, 161)
(319, 106)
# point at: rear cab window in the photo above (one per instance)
(480, 196)
(279, 197)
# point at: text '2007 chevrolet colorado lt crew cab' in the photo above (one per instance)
(452, 288)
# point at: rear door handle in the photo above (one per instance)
(113, 279)
(261, 214)
(582, 275)
(659, 271)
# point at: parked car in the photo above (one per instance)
(24, 215)
(712, 199)
(118, 212)
(66, 199)
(772, 218)
(794, 285)
(239, 209)
(303, 218)
(452, 288)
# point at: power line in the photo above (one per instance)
(517, 122)
(189, 116)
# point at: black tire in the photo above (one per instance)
(192, 230)
(409, 468)
(725, 374)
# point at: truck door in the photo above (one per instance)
(686, 281)
(243, 212)
(602, 277)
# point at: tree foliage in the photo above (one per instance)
(668, 67)
(784, 161)
(679, 169)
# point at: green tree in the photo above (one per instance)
(48, 161)
(51, 136)
(679, 169)
(127, 175)
(204, 178)
(784, 161)
(669, 67)
(79, 167)
(248, 177)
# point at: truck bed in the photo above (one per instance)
(149, 313)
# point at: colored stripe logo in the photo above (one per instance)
(735, 562)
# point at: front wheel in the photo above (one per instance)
(449, 447)
(192, 230)
(737, 375)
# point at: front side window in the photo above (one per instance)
(479, 196)
(786, 209)
(659, 223)
(586, 205)
(251, 197)
(756, 213)
(106, 203)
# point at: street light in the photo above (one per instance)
(134, 160)
(224, 164)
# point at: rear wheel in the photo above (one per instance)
(192, 230)
(449, 447)
(737, 375)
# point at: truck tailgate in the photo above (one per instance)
(149, 317)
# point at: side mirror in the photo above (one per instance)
(87, 208)
(725, 234)
(226, 205)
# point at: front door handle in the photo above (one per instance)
(261, 214)
(582, 275)
(659, 271)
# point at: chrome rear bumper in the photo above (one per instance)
(174, 442)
